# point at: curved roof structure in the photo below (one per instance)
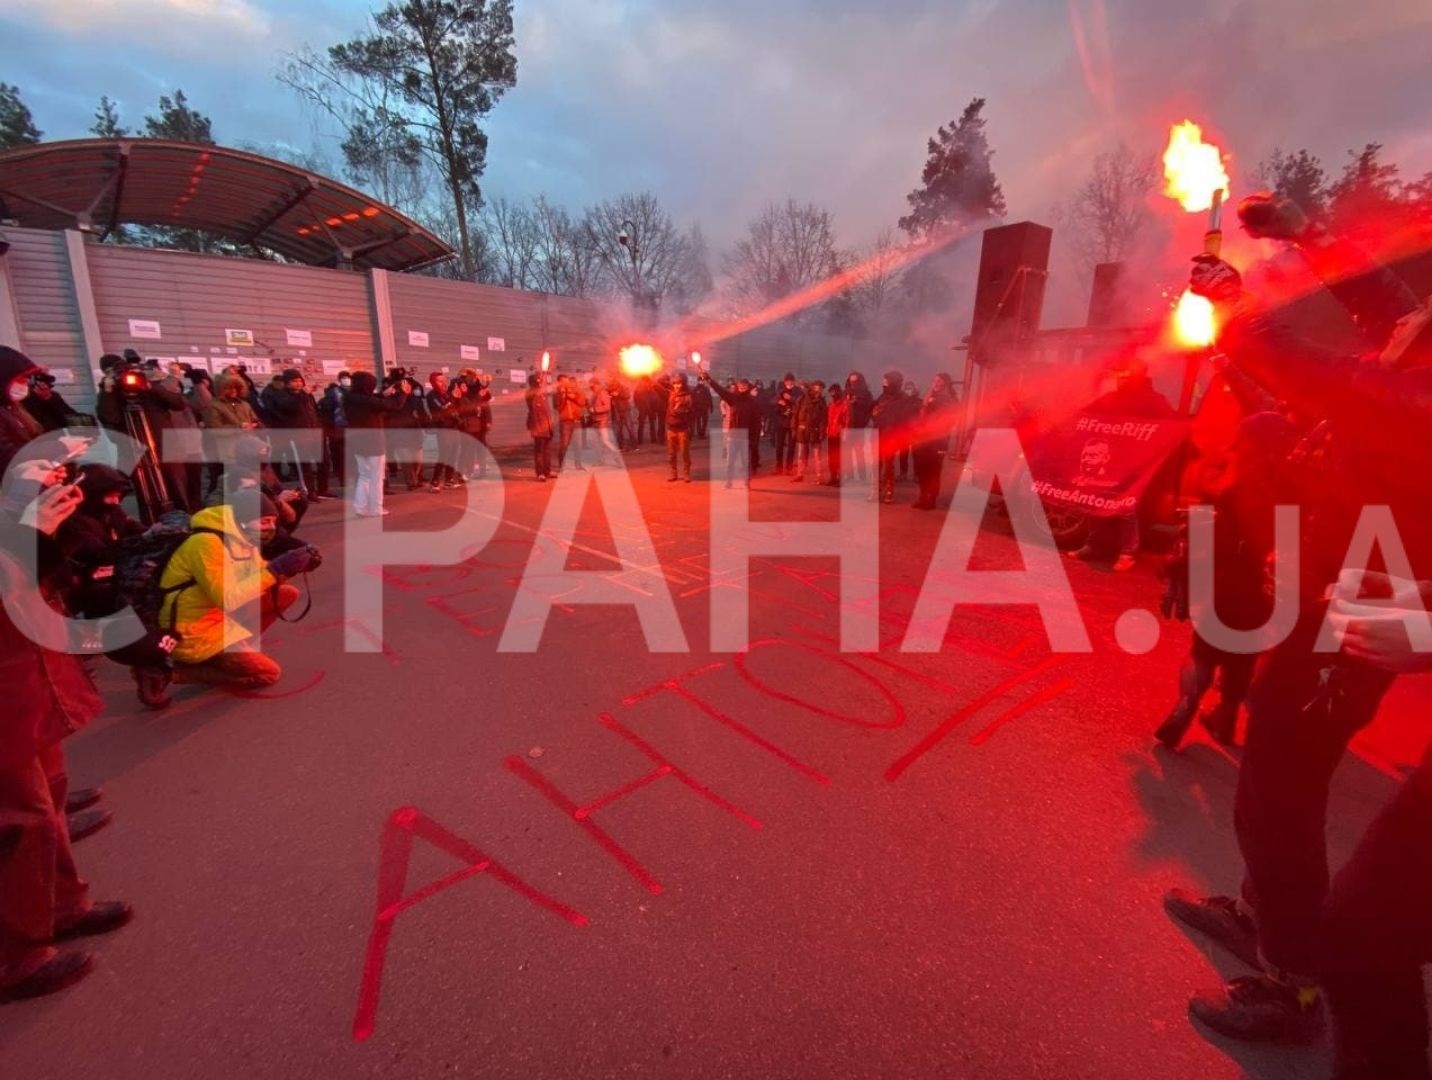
(99, 184)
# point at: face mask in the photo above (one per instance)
(18, 390)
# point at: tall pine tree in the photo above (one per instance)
(17, 126)
(106, 121)
(958, 185)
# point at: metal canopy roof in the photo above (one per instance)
(99, 184)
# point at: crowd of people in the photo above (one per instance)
(802, 422)
(1328, 432)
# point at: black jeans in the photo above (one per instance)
(1303, 710)
(785, 448)
(929, 463)
(1376, 935)
(542, 454)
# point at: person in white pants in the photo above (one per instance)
(368, 412)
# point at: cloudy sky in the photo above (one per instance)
(721, 105)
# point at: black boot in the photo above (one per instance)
(1172, 730)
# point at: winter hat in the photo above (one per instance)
(292, 373)
(894, 379)
(99, 480)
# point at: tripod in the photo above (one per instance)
(150, 490)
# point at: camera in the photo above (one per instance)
(315, 558)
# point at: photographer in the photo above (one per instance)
(47, 407)
(405, 425)
(1306, 705)
(218, 577)
(444, 418)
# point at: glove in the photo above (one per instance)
(1273, 217)
(1214, 279)
(291, 563)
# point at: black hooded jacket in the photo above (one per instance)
(17, 427)
(861, 400)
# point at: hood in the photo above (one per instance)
(100, 480)
(856, 382)
(13, 364)
(895, 381)
(364, 382)
(226, 380)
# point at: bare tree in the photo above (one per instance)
(510, 236)
(1108, 212)
(653, 263)
(566, 262)
(787, 247)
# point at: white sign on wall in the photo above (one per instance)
(333, 367)
(518, 376)
(145, 329)
(496, 344)
(302, 338)
(418, 339)
(470, 352)
(63, 377)
(259, 365)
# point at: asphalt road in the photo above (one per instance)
(792, 863)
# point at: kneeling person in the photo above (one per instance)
(209, 582)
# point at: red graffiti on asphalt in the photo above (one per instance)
(395, 853)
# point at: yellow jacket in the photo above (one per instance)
(204, 620)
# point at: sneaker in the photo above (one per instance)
(1123, 564)
(103, 917)
(687, 479)
(57, 973)
(86, 823)
(1085, 553)
(542, 479)
(672, 478)
(1221, 918)
(433, 489)
(152, 685)
(1260, 1008)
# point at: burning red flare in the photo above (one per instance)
(546, 361)
(639, 360)
(1193, 323)
(1193, 169)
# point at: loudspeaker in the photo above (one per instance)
(1106, 301)
(1009, 295)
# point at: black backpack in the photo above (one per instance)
(139, 563)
